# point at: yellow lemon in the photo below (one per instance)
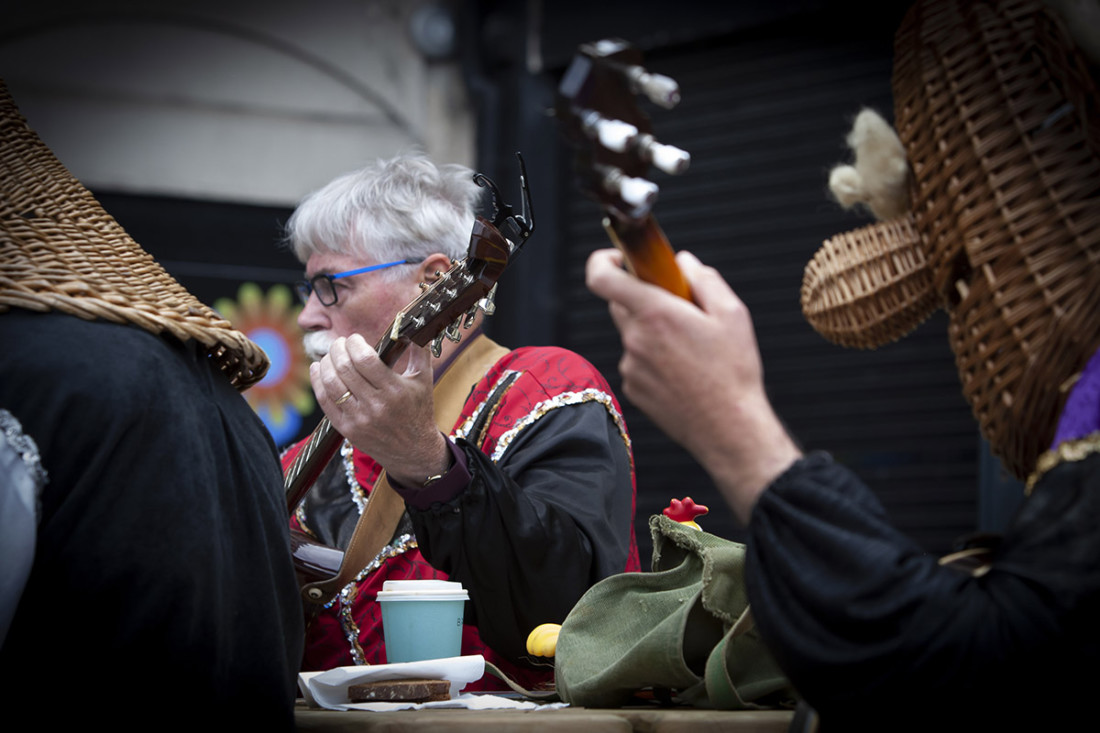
(543, 640)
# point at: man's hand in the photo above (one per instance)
(695, 369)
(388, 416)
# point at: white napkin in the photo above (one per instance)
(330, 689)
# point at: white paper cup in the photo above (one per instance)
(422, 619)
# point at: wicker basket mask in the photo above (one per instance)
(60, 251)
(998, 116)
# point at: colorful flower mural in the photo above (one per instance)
(284, 396)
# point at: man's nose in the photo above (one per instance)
(313, 317)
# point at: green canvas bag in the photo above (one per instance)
(685, 627)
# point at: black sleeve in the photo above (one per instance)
(531, 533)
(861, 619)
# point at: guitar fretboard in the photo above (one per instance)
(315, 454)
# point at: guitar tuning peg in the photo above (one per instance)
(615, 135)
(471, 315)
(660, 89)
(638, 193)
(667, 158)
(437, 346)
(452, 331)
(488, 304)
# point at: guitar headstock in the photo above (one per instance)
(453, 301)
(597, 106)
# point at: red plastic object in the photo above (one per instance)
(684, 510)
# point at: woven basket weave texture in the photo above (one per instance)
(869, 286)
(60, 251)
(999, 118)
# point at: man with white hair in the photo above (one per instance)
(527, 498)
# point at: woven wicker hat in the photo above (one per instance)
(998, 115)
(60, 251)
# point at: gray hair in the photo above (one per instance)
(403, 207)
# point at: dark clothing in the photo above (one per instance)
(162, 582)
(561, 507)
(874, 633)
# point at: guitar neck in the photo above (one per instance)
(322, 445)
(648, 253)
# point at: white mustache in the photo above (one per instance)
(317, 344)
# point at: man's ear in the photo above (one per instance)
(433, 267)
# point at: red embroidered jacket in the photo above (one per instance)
(539, 507)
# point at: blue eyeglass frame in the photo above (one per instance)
(306, 288)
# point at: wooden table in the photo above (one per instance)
(587, 720)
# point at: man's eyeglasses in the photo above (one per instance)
(325, 287)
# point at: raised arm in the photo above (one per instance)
(695, 369)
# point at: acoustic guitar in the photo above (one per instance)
(597, 108)
(441, 311)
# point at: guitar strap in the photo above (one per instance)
(385, 507)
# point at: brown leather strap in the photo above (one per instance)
(384, 508)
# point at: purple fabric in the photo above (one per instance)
(441, 491)
(1081, 415)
